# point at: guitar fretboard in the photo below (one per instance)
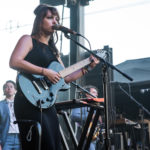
(74, 67)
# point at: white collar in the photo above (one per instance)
(10, 101)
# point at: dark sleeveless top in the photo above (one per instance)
(40, 55)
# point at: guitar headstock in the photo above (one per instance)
(102, 53)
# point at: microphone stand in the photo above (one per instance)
(84, 90)
(105, 66)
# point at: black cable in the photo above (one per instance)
(61, 39)
(86, 40)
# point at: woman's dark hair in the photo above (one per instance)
(9, 81)
(40, 12)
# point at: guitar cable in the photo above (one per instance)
(41, 111)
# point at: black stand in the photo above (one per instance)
(105, 70)
(88, 121)
(143, 133)
(107, 136)
(68, 124)
(77, 104)
(81, 88)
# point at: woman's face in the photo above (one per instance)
(48, 21)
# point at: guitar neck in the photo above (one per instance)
(75, 67)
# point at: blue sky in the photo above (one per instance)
(124, 25)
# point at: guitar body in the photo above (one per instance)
(38, 90)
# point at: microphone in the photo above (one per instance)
(64, 29)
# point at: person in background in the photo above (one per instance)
(79, 115)
(32, 55)
(9, 132)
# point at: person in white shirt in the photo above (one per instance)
(9, 132)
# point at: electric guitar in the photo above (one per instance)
(96, 131)
(40, 92)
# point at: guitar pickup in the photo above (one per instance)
(37, 87)
(44, 84)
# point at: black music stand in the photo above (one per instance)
(76, 104)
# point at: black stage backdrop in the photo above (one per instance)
(138, 89)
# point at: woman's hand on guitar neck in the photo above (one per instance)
(52, 75)
(94, 62)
